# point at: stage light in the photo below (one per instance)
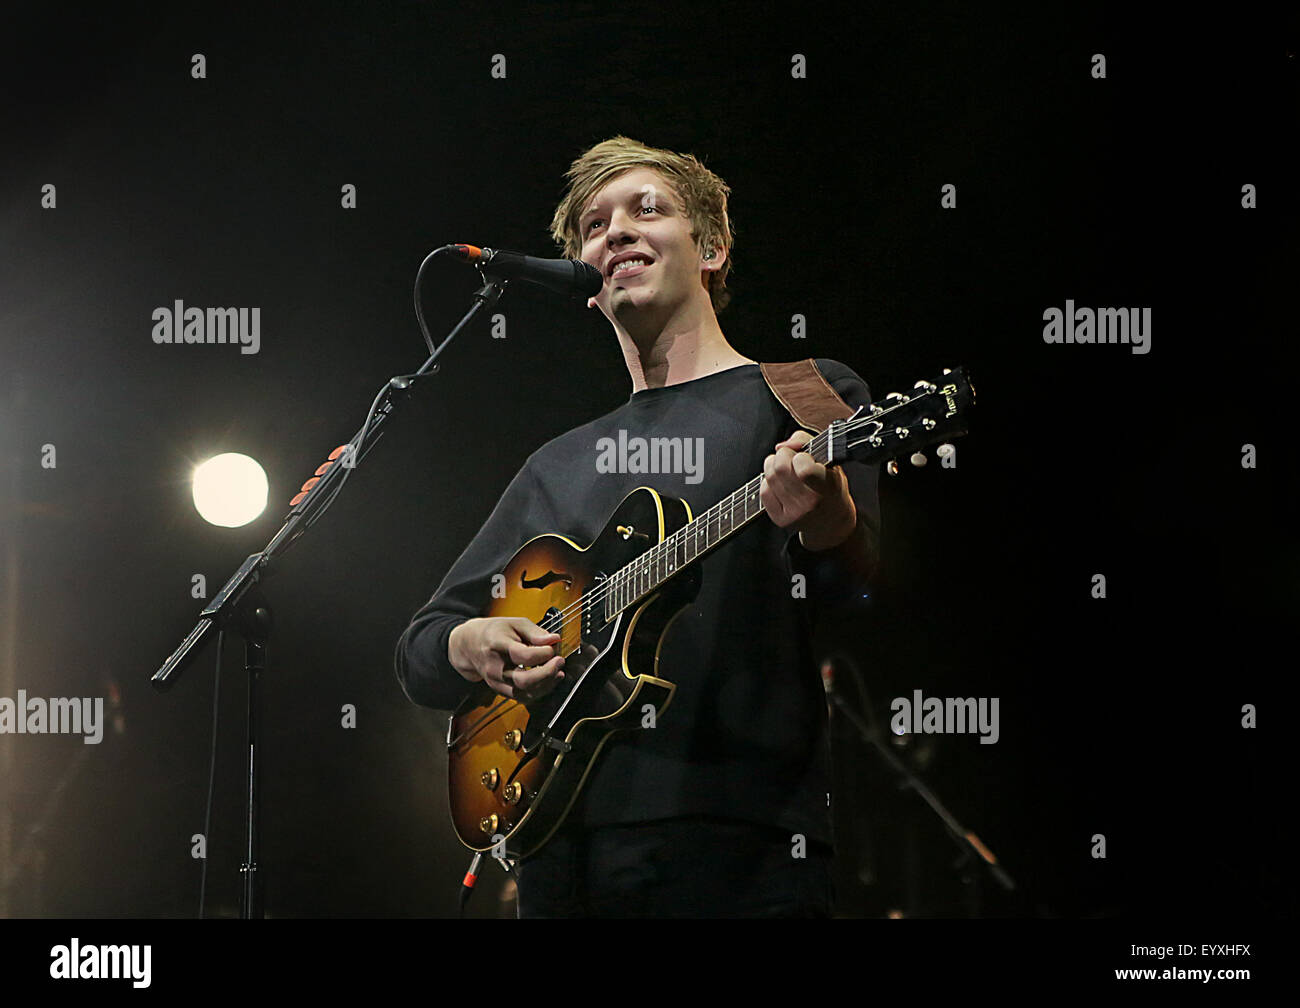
(230, 490)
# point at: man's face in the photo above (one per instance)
(636, 215)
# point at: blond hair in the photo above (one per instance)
(703, 196)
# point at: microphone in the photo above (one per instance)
(564, 276)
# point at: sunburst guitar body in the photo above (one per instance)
(515, 769)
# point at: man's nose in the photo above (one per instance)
(622, 228)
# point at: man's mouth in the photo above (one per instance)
(629, 268)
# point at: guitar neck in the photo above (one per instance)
(931, 412)
(693, 540)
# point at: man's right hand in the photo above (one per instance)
(513, 655)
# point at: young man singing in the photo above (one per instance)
(723, 809)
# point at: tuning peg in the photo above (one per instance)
(918, 459)
(947, 370)
(944, 450)
(923, 384)
(891, 467)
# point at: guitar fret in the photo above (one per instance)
(645, 573)
(659, 563)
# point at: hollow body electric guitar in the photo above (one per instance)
(515, 769)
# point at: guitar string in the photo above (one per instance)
(621, 580)
(594, 598)
(612, 583)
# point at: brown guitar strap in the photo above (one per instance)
(806, 394)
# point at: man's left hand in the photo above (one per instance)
(798, 491)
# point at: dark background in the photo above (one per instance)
(1118, 716)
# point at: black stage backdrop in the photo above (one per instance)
(1093, 157)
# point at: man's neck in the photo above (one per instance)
(680, 351)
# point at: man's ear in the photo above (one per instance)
(711, 260)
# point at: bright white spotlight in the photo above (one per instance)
(230, 490)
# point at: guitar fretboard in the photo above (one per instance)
(690, 542)
(911, 422)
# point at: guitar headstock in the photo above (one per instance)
(932, 412)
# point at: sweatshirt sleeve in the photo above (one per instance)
(839, 573)
(423, 669)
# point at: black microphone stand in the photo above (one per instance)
(241, 605)
(965, 839)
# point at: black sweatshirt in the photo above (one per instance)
(745, 736)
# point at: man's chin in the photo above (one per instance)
(622, 300)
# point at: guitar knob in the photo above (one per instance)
(513, 793)
(488, 824)
(514, 739)
(918, 459)
(490, 778)
(892, 467)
